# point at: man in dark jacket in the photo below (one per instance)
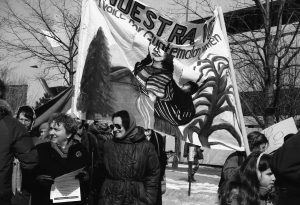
(285, 164)
(14, 142)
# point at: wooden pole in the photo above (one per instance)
(235, 88)
(187, 11)
(191, 156)
(190, 168)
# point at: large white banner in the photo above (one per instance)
(181, 70)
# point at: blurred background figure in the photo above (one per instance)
(26, 116)
(286, 167)
(2, 90)
(159, 143)
(44, 131)
(14, 142)
(257, 142)
(101, 130)
(90, 142)
(43, 134)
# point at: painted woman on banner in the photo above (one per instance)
(155, 76)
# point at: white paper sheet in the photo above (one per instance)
(278, 131)
(66, 188)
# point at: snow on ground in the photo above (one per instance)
(203, 191)
(195, 187)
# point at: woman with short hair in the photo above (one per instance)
(62, 155)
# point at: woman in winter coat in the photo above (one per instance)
(62, 155)
(132, 171)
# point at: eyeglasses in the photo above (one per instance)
(115, 126)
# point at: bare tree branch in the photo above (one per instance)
(25, 38)
(267, 59)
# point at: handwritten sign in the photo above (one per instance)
(277, 132)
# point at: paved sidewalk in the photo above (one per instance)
(203, 191)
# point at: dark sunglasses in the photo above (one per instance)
(115, 126)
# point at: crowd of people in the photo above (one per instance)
(118, 161)
(122, 163)
(261, 178)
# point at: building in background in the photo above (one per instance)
(17, 96)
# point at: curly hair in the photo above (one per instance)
(67, 121)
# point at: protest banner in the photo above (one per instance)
(181, 71)
(277, 132)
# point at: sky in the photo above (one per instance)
(170, 5)
(23, 69)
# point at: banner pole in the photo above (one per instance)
(189, 178)
(234, 84)
(191, 157)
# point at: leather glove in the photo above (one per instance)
(45, 180)
(83, 176)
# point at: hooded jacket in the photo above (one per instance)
(132, 171)
(14, 142)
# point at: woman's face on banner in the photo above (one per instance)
(156, 53)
